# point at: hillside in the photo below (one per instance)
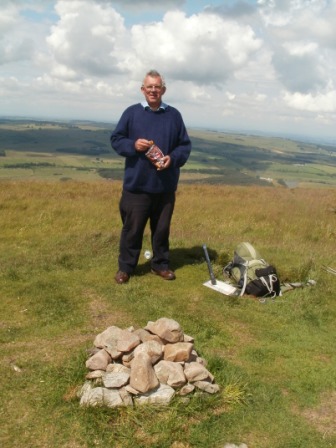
(81, 151)
(274, 362)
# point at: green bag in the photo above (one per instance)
(251, 273)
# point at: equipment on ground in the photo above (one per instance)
(252, 274)
(217, 285)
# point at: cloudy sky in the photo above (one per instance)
(248, 65)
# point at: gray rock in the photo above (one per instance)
(94, 374)
(110, 333)
(98, 361)
(152, 348)
(127, 364)
(143, 377)
(111, 347)
(100, 396)
(170, 373)
(127, 358)
(145, 336)
(126, 397)
(131, 390)
(112, 398)
(115, 379)
(187, 389)
(127, 341)
(210, 388)
(180, 351)
(93, 397)
(162, 395)
(116, 341)
(116, 367)
(87, 387)
(196, 372)
(167, 329)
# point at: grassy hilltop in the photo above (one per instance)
(274, 362)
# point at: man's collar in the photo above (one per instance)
(162, 106)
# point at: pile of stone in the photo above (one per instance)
(147, 365)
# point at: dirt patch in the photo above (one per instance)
(102, 313)
(323, 416)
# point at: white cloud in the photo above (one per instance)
(9, 16)
(300, 48)
(88, 39)
(9, 84)
(300, 38)
(233, 61)
(321, 102)
(202, 48)
(230, 96)
(14, 45)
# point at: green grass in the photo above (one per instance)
(274, 362)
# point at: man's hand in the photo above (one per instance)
(165, 163)
(142, 145)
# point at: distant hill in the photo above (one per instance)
(81, 150)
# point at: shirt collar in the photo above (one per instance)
(162, 106)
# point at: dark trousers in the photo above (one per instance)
(135, 211)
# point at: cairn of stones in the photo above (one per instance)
(144, 366)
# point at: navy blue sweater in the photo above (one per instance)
(166, 128)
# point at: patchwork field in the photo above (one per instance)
(58, 151)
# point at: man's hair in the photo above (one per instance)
(155, 74)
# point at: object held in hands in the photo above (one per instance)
(155, 155)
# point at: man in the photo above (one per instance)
(148, 189)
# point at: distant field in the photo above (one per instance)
(45, 150)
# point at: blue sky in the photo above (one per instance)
(254, 66)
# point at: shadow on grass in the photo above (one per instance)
(180, 257)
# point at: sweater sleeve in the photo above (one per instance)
(181, 152)
(120, 142)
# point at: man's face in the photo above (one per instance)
(153, 90)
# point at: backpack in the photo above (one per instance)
(252, 274)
